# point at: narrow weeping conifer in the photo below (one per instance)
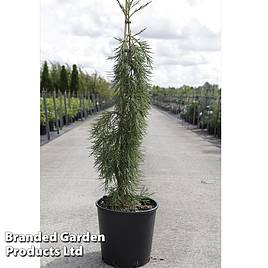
(117, 135)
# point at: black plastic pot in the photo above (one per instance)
(219, 132)
(128, 236)
(51, 125)
(43, 130)
(64, 120)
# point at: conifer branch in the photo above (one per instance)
(141, 31)
(121, 6)
(117, 135)
(135, 3)
(140, 8)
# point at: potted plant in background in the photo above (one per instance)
(126, 214)
(42, 119)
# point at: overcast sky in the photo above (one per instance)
(184, 36)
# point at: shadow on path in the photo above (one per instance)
(92, 260)
(202, 133)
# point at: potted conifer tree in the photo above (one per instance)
(126, 214)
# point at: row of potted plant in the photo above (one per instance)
(208, 118)
(203, 112)
(73, 108)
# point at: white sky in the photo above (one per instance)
(184, 36)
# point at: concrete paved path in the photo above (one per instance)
(181, 167)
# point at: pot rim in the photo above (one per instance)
(151, 210)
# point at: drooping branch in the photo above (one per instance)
(140, 32)
(135, 3)
(118, 134)
(140, 8)
(121, 6)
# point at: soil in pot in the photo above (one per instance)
(128, 234)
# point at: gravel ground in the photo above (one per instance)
(182, 168)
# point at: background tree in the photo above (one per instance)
(58, 76)
(63, 85)
(55, 75)
(74, 86)
(45, 83)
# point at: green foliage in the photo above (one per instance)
(64, 84)
(74, 107)
(45, 83)
(55, 71)
(191, 110)
(50, 109)
(118, 134)
(90, 104)
(74, 79)
(212, 116)
(205, 90)
(102, 87)
(196, 105)
(42, 114)
(80, 81)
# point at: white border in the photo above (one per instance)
(245, 110)
(244, 181)
(19, 109)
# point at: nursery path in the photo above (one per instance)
(181, 167)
